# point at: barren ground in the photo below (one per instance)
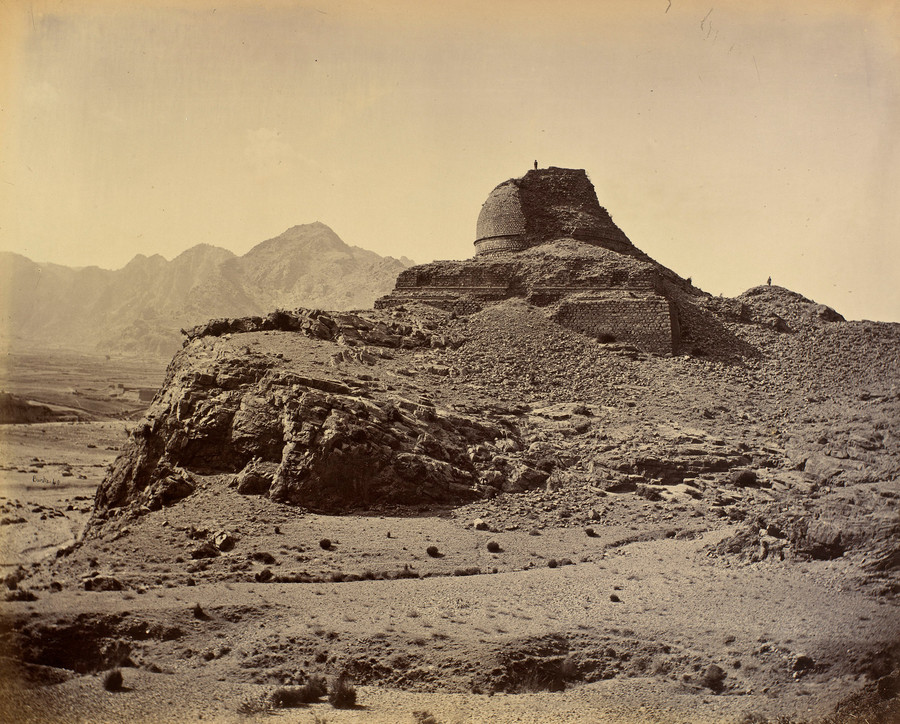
(596, 604)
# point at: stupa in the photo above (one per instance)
(546, 238)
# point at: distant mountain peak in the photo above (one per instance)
(141, 307)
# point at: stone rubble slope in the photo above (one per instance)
(333, 412)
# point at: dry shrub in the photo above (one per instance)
(342, 694)
(289, 697)
(253, 705)
(112, 680)
(424, 717)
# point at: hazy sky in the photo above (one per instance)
(729, 140)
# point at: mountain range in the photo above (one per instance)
(141, 308)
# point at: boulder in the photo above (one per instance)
(224, 541)
(521, 477)
(822, 468)
(166, 491)
(205, 550)
(256, 478)
(743, 478)
(101, 582)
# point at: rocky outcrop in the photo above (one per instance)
(301, 438)
(349, 330)
(782, 309)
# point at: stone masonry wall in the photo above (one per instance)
(497, 244)
(646, 322)
(454, 275)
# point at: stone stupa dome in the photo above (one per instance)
(501, 222)
(543, 206)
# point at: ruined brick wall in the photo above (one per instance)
(648, 322)
(454, 275)
(562, 202)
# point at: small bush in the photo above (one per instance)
(433, 551)
(648, 493)
(21, 594)
(290, 697)
(538, 678)
(494, 547)
(405, 572)
(252, 705)
(342, 694)
(325, 544)
(424, 717)
(112, 680)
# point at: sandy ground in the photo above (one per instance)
(677, 611)
(48, 475)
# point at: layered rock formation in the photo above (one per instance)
(299, 435)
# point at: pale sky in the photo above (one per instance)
(729, 140)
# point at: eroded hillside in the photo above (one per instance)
(495, 503)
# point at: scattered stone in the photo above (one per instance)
(204, 550)
(99, 582)
(224, 541)
(713, 677)
(743, 478)
(803, 662)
